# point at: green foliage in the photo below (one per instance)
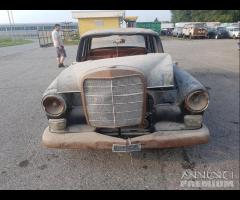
(4, 42)
(205, 16)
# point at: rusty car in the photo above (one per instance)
(195, 30)
(124, 93)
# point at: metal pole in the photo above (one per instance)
(10, 24)
(13, 23)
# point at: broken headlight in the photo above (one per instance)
(54, 105)
(197, 101)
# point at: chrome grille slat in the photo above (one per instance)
(97, 86)
(118, 112)
(117, 103)
(97, 95)
(110, 120)
(114, 102)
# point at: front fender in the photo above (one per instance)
(52, 88)
(185, 83)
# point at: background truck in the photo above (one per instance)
(195, 30)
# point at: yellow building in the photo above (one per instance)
(91, 20)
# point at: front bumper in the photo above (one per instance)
(94, 140)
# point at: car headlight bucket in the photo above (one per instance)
(54, 105)
(197, 101)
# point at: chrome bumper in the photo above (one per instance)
(93, 140)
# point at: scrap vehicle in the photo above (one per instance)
(177, 32)
(234, 32)
(218, 33)
(195, 30)
(125, 94)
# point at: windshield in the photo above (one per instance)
(221, 28)
(199, 25)
(118, 40)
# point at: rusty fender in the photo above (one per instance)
(93, 140)
(186, 83)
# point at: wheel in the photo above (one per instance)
(184, 36)
(190, 36)
(234, 37)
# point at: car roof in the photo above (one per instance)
(120, 31)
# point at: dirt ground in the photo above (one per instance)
(26, 71)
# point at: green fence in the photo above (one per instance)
(155, 26)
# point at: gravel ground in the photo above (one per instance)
(26, 71)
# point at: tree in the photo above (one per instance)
(205, 16)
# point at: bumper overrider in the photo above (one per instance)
(94, 140)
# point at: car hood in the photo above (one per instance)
(157, 69)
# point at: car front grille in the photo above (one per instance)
(114, 102)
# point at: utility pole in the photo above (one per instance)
(13, 23)
(12, 17)
(10, 23)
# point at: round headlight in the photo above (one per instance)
(197, 101)
(54, 105)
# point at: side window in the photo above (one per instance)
(154, 44)
(83, 49)
(156, 50)
(148, 43)
(159, 45)
(151, 44)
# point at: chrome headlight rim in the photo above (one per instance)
(61, 102)
(191, 95)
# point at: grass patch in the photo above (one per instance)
(10, 42)
(71, 42)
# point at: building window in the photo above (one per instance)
(99, 23)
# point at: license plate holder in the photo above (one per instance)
(119, 148)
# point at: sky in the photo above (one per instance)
(42, 16)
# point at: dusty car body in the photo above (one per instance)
(218, 33)
(177, 32)
(124, 93)
(234, 32)
(195, 30)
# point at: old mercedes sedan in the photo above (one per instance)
(124, 94)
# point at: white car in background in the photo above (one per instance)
(233, 32)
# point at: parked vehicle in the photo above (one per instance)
(124, 93)
(218, 33)
(195, 30)
(233, 32)
(167, 32)
(177, 32)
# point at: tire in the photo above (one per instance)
(190, 36)
(234, 37)
(184, 36)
